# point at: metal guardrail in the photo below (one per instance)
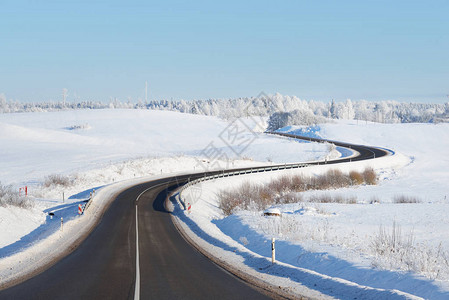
(224, 173)
(228, 173)
(89, 201)
(236, 172)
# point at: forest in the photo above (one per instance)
(282, 110)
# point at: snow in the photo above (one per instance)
(35, 145)
(322, 250)
(95, 148)
(336, 240)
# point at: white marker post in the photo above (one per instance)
(273, 252)
(62, 221)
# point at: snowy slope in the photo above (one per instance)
(37, 144)
(336, 240)
(328, 242)
(95, 148)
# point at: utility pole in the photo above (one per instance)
(64, 95)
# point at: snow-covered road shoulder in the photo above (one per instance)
(42, 252)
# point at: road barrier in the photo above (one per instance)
(236, 172)
(230, 173)
(89, 201)
(369, 153)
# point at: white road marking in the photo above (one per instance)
(137, 286)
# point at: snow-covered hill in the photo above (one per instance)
(92, 148)
(345, 248)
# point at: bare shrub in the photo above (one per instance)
(229, 201)
(401, 199)
(285, 189)
(289, 198)
(326, 198)
(266, 194)
(10, 196)
(356, 178)
(370, 176)
(299, 183)
(57, 180)
(337, 179)
(332, 179)
(246, 196)
(281, 185)
(261, 198)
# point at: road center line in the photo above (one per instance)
(137, 285)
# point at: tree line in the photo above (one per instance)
(281, 107)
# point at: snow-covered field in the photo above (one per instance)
(35, 145)
(339, 240)
(329, 244)
(94, 148)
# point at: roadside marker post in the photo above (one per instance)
(62, 222)
(23, 190)
(273, 252)
(80, 209)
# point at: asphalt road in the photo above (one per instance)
(103, 266)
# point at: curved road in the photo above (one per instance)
(103, 266)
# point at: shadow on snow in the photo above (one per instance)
(318, 262)
(68, 211)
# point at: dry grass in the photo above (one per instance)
(401, 199)
(57, 180)
(281, 184)
(326, 198)
(396, 251)
(356, 177)
(286, 189)
(370, 176)
(10, 196)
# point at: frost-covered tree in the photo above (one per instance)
(381, 111)
(3, 105)
(278, 120)
(350, 110)
(297, 117)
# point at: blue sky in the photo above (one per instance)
(320, 50)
